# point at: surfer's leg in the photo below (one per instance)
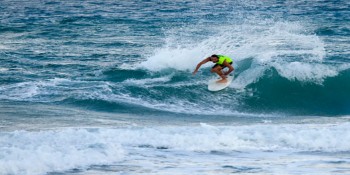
(218, 70)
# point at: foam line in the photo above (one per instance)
(39, 152)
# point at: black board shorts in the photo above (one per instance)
(222, 66)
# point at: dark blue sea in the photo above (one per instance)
(105, 87)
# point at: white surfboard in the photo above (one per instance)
(214, 86)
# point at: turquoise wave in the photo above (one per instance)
(96, 56)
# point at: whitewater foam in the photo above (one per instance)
(28, 90)
(19, 91)
(39, 152)
(289, 47)
(148, 81)
(306, 72)
(248, 76)
(2, 69)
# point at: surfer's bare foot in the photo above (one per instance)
(222, 81)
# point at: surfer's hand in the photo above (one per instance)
(194, 72)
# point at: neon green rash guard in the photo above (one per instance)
(223, 58)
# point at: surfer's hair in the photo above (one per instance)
(215, 56)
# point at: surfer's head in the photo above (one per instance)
(214, 58)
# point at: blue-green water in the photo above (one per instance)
(92, 86)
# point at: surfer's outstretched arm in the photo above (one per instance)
(200, 64)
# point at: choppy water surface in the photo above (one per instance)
(106, 87)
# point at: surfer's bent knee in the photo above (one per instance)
(215, 69)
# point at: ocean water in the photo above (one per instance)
(106, 87)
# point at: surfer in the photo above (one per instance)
(221, 62)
